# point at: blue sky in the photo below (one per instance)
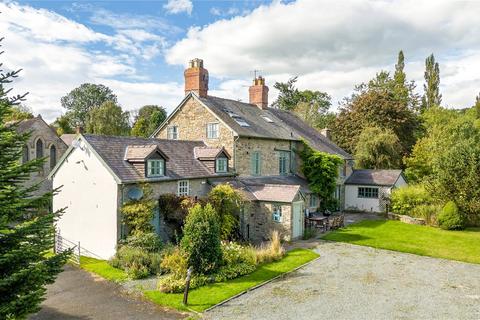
(140, 48)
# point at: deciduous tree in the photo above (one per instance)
(108, 119)
(149, 118)
(432, 96)
(378, 149)
(81, 100)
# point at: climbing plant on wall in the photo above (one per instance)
(321, 171)
(138, 214)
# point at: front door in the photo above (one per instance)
(297, 219)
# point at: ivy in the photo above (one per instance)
(138, 214)
(321, 171)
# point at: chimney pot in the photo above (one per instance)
(258, 93)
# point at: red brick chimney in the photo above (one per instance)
(196, 78)
(258, 93)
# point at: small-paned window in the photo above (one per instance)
(277, 213)
(155, 168)
(366, 192)
(256, 163)
(172, 133)
(283, 162)
(53, 157)
(183, 188)
(212, 130)
(221, 165)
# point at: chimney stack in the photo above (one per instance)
(258, 93)
(326, 133)
(196, 78)
(79, 130)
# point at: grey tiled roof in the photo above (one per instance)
(258, 126)
(374, 177)
(181, 163)
(139, 152)
(316, 140)
(267, 188)
(284, 125)
(209, 152)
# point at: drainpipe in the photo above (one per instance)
(235, 154)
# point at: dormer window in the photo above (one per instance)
(155, 168)
(221, 165)
(172, 132)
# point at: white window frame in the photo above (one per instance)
(150, 167)
(213, 130)
(217, 161)
(172, 132)
(368, 192)
(183, 188)
(277, 213)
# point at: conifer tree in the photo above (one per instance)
(400, 79)
(26, 224)
(477, 106)
(432, 96)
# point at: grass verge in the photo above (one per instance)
(203, 298)
(422, 240)
(103, 269)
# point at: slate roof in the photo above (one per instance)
(267, 188)
(374, 177)
(139, 152)
(209, 152)
(316, 140)
(258, 126)
(180, 164)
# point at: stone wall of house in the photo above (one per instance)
(192, 122)
(42, 131)
(269, 154)
(258, 221)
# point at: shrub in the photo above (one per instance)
(450, 218)
(201, 239)
(234, 253)
(175, 263)
(271, 252)
(405, 199)
(149, 242)
(137, 262)
(138, 214)
(308, 233)
(227, 202)
(428, 212)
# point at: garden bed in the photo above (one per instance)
(422, 240)
(207, 296)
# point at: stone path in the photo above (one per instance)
(77, 294)
(355, 282)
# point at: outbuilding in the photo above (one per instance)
(369, 190)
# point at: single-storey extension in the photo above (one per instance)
(369, 190)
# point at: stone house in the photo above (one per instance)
(98, 174)
(43, 143)
(263, 143)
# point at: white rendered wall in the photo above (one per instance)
(90, 194)
(353, 202)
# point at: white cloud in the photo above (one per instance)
(224, 13)
(334, 45)
(179, 6)
(55, 56)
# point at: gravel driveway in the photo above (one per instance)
(77, 294)
(355, 282)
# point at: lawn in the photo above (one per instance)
(421, 240)
(204, 297)
(103, 269)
